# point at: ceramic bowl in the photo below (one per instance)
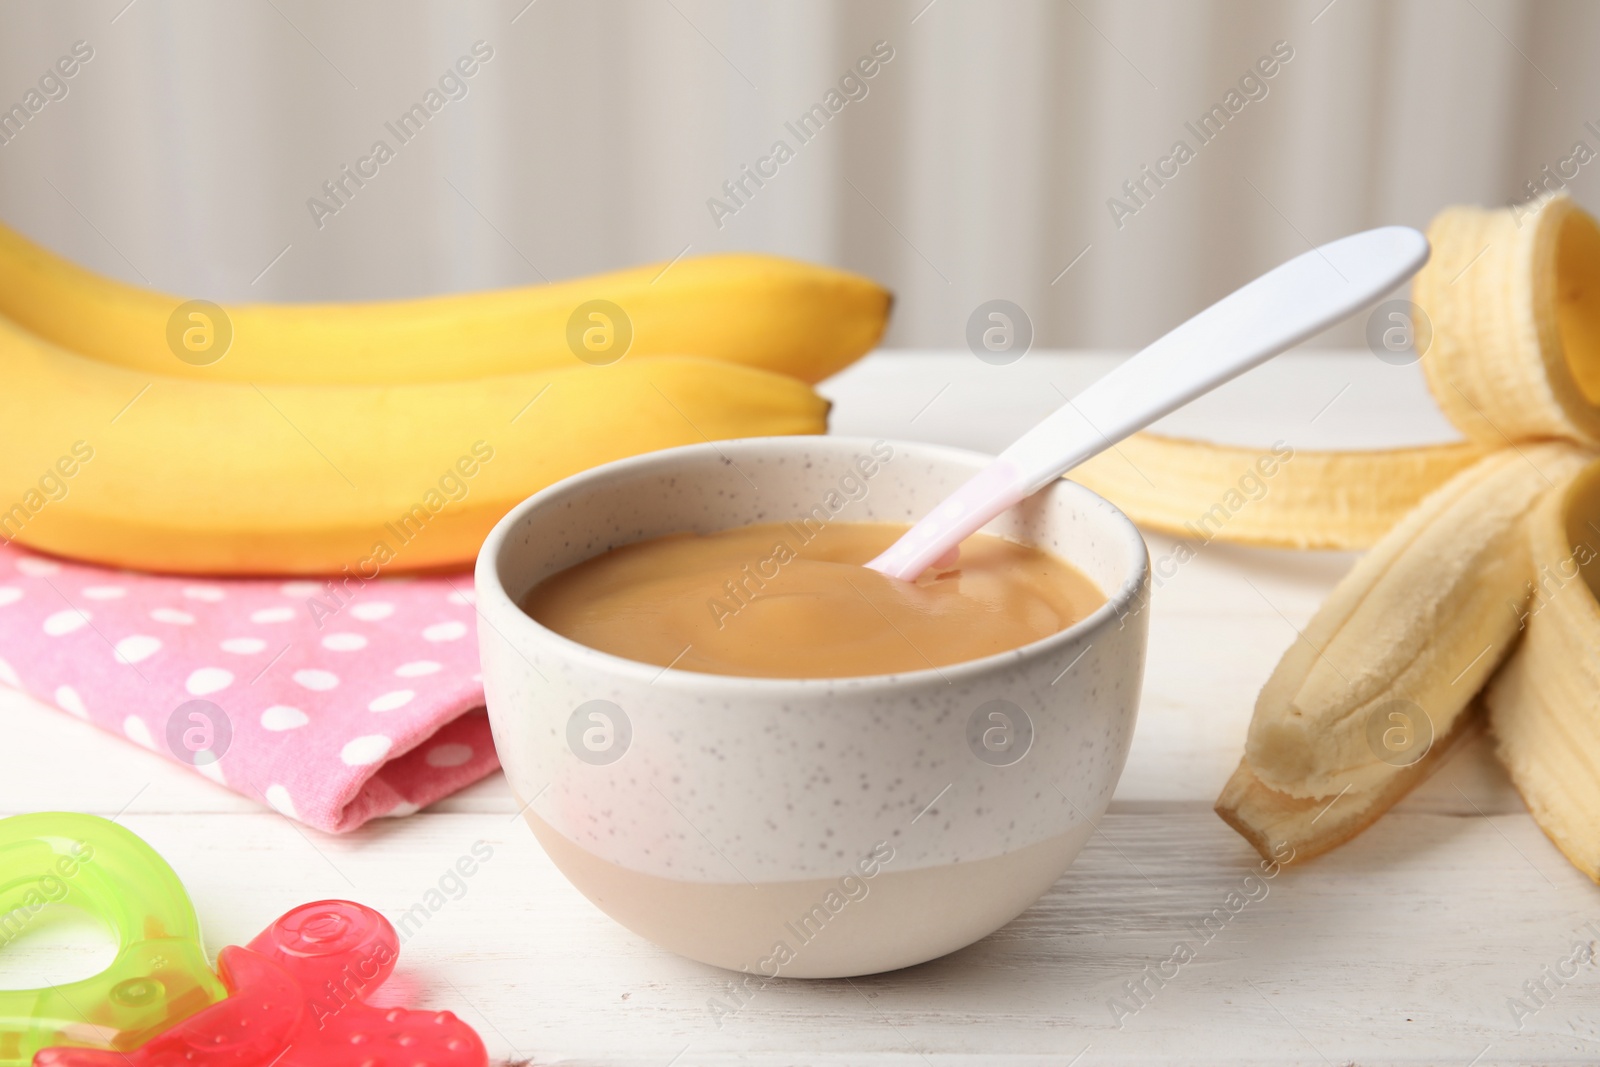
(808, 827)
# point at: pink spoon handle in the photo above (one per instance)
(1244, 329)
(998, 486)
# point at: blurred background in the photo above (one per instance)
(985, 156)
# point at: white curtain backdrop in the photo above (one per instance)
(977, 162)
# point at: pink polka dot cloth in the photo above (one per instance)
(332, 706)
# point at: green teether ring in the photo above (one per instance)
(160, 975)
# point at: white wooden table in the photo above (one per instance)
(1403, 947)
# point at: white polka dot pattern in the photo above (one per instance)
(281, 717)
(417, 669)
(173, 616)
(267, 615)
(208, 680)
(280, 799)
(369, 748)
(448, 755)
(323, 684)
(344, 642)
(67, 699)
(136, 648)
(445, 631)
(66, 622)
(390, 701)
(317, 681)
(138, 732)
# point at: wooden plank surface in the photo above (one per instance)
(1407, 946)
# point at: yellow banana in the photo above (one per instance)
(1278, 498)
(130, 469)
(760, 311)
(1544, 707)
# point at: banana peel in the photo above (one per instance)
(1294, 829)
(1544, 707)
(1514, 303)
(1296, 499)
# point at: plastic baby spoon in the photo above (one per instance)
(1244, 329)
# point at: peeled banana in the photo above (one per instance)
(760, 311)
(1508, 549)
(170, 474)
(1414, 629)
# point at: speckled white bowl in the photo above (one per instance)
(808, 827)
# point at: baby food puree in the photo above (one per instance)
(787, 600)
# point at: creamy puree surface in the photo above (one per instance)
(780, 600)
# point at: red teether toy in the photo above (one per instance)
(297, 998)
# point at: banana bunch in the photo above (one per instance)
(148, 432)
(1480, 583)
